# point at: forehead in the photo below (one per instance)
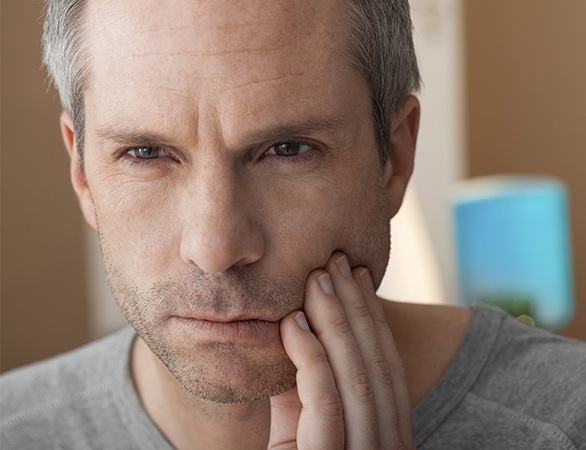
(220, 50)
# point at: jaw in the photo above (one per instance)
(218, 373)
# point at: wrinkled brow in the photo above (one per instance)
(297, 128)
(123, 135)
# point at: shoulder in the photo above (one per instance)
(529, 357)
(82, 370)
(533, 378)
(536, 370)
(67, 392)
(508, 386)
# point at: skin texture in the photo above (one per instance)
(219, 226)
(218, 229)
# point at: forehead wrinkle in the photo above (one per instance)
(257, 83)
(119, 27)
(174, 90)
(213, 53)
(169, 104)
(279, 32)
(284, 18)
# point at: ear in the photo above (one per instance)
(398, 170)
(78, 179)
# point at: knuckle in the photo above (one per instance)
(358, 307)
(383, 372)
(400, 370)
(329, 404)
(340, 325)
(362, 387)
(332, 406)
(318, 358)
(380, 322)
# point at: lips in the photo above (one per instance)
(223, 318)
(232, 329)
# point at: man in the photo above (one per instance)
(241, 162)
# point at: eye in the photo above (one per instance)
(147, 152)
(289, 148)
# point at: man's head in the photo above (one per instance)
(229, 149)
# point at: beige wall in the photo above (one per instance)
(526, 77)
(43, 294)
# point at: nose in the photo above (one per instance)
(221, 229)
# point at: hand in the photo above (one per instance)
(351, 384)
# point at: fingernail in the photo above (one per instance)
(302, 321)
(344, 267)
(325, 283)
(366, 280)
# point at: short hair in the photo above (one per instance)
(381, 50)
(65, 60)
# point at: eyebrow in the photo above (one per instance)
(131, 135)
(128, 136)
(304, 126)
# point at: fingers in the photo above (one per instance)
(351, 382)
(359, 303)
(375, 370)
(394, 365)
(329, 322)
(320, 423)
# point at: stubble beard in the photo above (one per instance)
(229, 372)
(217, 372)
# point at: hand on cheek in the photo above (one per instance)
(351, 385)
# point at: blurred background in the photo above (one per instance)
(504, 92)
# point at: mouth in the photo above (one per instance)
(224, 330)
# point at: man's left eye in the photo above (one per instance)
(147, 152)
(290, 148)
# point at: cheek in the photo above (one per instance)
(302, 239)
(337, 216)
(137, 226)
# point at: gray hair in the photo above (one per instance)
(381, 49)
(65, 59)
(380, 36)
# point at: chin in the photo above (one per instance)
(247, 390)
(230, 373)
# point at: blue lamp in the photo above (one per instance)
(513, 246)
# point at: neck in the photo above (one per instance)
(427, 338)
(189, 422)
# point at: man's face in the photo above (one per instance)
(229, 151)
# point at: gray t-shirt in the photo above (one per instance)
(509, 387)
